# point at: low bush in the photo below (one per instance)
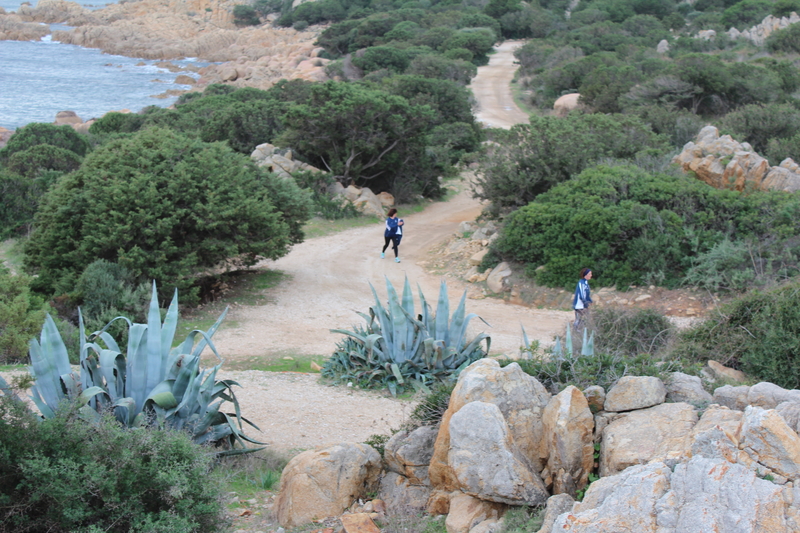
(630, 332)
(758, 333)
(21, 316)
(65, 475)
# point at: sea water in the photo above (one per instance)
(39, 79)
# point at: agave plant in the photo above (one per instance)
(152, 383)
(398, 347)
(587, 346)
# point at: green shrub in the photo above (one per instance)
(630, 332)
(758, 125)
(431, 408)
(758, 333)
(21, 196)
(36, 133)
(529, 159)
(21, 316)
(523, 519)
(325, 206)
(244, 15)
(634, 227)
(201, 204)
(63, 474)
(300, 25)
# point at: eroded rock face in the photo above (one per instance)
(725, 163)
(401, 495)
(638, 437)
(467, 512)
(324, 483)
(569, 437)
(685, 388)
(485, 462)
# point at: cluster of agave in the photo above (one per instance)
(398, 348)
(152, 383)
(566, 351)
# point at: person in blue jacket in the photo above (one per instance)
(393, 234)
(582, 298)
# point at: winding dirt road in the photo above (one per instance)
(329, 280)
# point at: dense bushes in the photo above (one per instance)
(758, 333)
(64, 474)
(529, 159)
(634, 227)
(164, 206)
(21, 316)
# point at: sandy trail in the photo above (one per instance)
(492, 89)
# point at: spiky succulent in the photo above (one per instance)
(151, 383)
(398, 347)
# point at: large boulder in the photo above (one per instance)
(685, 388)
(624, 502)
(521, 399)
(769, 395)
(655, 434)
(564, 104)
(767, 438)
(401, 496)
(408, 453)
(732, 397)
(485, 462)
(316, 484)
(568, 433)
(635, 392)
(466, 512)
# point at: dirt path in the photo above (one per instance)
(492, 89)
(328, 281)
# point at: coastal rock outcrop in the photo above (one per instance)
(725, 163)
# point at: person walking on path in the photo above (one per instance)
(583, 298)
(393, 234)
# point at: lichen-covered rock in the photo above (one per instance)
(569, 437)
(767, 438)
(486, 463)
(321, 483)
(635, 392)
(655, 434)
(409, 453)
(521, 399)
(685, 388)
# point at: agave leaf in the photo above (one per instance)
(45, 409)
(397, 374)
(206, 340)
(443, 315)
(165, 400)
(186, 374)
(568, 341)
(90, 393)
(168, 329)
(154, 361)
(83, 351)
(111, 344)
(125, 411)
(136, 370)
(108, 362)
(208, 418)
(8, 391)
(588, 345)
(407, 305)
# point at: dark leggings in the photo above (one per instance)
(396, 242)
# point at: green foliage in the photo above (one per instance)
(523, 519)
(399, 348)
(630, 332)
(151, 384)
(758, 333)
(245, 15)
(382, 57)
(746, 13)
(164, 206)
(557, 372)
(378, 442)
(325, 206)
(21, 196)
(635, 227)
(430, 410)
(62, 474)
(107, 290)
(32, 162)
(37, 133)
(366, 135)
(21, 314)
(115, 122)
(758, 124)
(530, 159)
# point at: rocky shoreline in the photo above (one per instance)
(253, 56)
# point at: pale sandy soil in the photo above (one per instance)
(491, 87)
